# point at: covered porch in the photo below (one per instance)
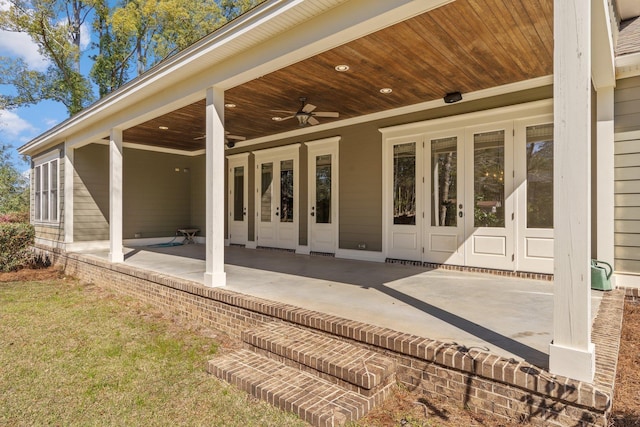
(506, 316)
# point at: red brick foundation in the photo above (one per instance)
(482, 382)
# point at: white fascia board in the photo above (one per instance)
(603, 70)
(628, 66)
(423, 106)
(184, 78)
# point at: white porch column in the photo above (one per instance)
(68, 194)
(605, 176)
(572, 353)
(214, 274)
(116, 253)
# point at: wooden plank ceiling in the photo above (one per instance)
(465, 46)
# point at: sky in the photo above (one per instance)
(18, 126)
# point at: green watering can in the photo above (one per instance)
(600, 278)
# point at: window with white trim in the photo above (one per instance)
(45, 190)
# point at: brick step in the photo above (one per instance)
(316, 401)
(355, 368)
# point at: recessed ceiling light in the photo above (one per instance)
(342, 68)
(230, 105)
(276, 119)
(163, 127)
(386, 90)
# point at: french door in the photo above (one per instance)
(322, 163)
(276, 204)
(238, 198)
(478, 196)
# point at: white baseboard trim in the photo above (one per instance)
(360, 255)
(626, 280)
(303, 250)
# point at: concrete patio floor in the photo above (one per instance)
(505, 316)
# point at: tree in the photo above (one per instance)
(231, 9)
(14, 187)
(55, 27)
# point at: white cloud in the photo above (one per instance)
(13, 125)
(20, 44)
(85, 36)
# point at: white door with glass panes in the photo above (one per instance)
(534, 183)
(238, 198)
(277, 197)
(444, 197)
(404, 203)
(489, 199)
(322, 164)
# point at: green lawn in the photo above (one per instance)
(74, 354)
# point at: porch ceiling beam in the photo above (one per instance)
(572, 354)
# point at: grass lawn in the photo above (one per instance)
(73, 354)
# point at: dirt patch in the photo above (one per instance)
(626, 406)
(28, 274)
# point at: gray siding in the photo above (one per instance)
(198, 218)
(627, 206)
(91, 193)
(627, 105)
(156, 197)
(627, 177)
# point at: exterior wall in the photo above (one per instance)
(51, 233)
(360, 186)
(198, 215)
(157, 198)
(627, 176)
(91, 193)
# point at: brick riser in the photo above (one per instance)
(313, 399)
(354, 368)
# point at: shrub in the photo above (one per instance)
(14, 217)
(15, 246)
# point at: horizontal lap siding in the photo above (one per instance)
(91, 193)
(627, 176)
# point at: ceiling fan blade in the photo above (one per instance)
(283, 111)
(313, 121)
(287, 118)
(308, 108)
(326, 114)
(236, 137)
(199, 137)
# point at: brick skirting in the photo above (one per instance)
(479, 381)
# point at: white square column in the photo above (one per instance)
(605, 176)
(572, 354)
(214, 274)
(116, 253)
(69, 170)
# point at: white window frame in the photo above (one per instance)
(53, 209)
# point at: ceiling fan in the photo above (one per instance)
(306, 114)
(229, 139)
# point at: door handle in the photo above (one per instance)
(460, 214)
(313, 214)
(277, 213)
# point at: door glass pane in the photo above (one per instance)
(444, 181)
(404, 183)
(265, 199)
(488, 173)
(323, 189)
(238, 193)
(286, 191)
(540, 176)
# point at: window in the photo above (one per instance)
(45, 188)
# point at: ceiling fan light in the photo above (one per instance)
(303, 118)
